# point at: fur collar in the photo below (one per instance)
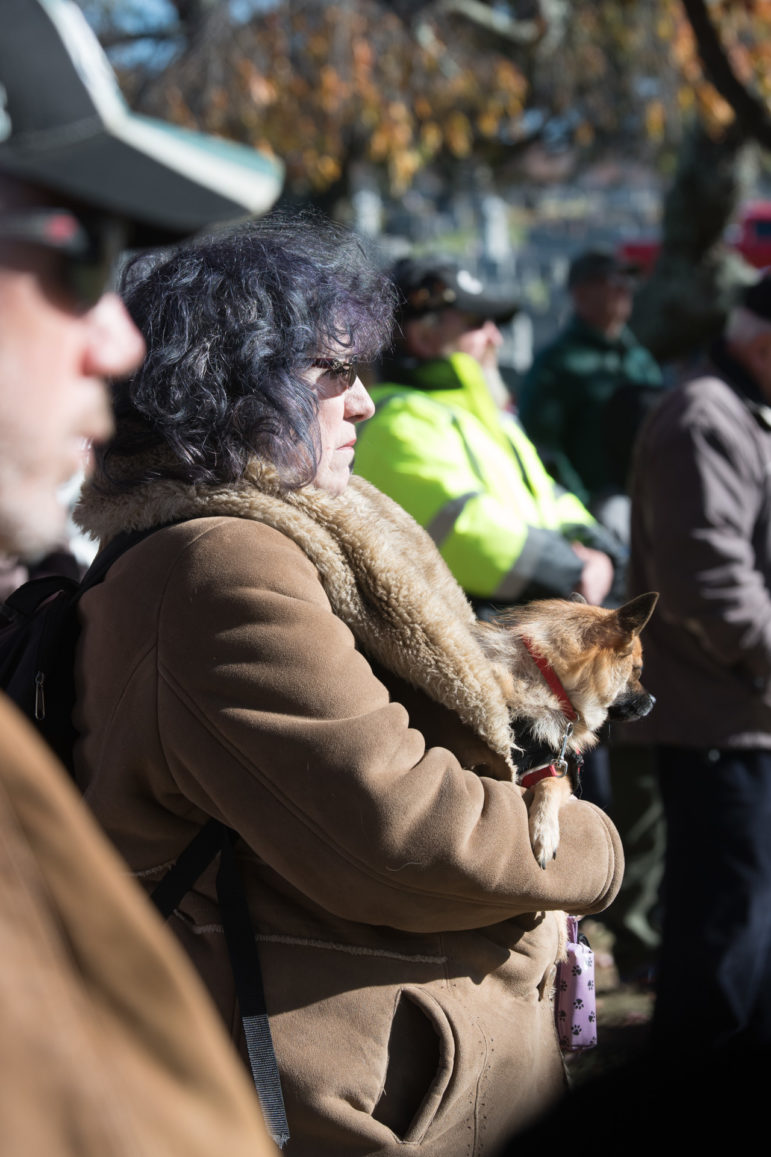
(381, 572)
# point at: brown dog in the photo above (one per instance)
(567, 667)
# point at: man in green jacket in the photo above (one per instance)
(443, 447)
(586, 392)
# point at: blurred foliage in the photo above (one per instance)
(401, 85)
(326, 84)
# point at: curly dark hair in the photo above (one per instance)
(232, 323)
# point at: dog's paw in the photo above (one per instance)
(544, 837)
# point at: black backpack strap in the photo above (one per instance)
(189, 867)
(245, 962)
(213, 839)
(111, 553)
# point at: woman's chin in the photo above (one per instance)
(334, 477)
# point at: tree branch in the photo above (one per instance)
(750, 111)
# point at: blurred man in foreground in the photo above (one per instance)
(109, 1045)
(442, 446)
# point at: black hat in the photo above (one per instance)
(430, 284)
(65, 127)
(757, 298)
(599, 264)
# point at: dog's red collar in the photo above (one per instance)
(550, 675)
(549, 771)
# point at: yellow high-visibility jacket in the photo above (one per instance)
(471, 477)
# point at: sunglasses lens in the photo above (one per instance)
(86, 283)
(89, 276)
(345, 372)
(86, 247)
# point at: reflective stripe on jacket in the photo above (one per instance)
(441, 448)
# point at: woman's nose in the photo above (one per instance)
(359, 404)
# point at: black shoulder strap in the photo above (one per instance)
(111, 553)
(214, 839)
(188, 867)
(245, 962)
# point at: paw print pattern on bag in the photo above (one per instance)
(575, 1005)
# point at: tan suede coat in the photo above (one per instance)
(109, 1047)
(303, 668)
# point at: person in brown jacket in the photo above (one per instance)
(701, 535)
(109, 1045)
(288, 653)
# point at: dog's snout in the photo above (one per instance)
(635, 706)
(648, 706)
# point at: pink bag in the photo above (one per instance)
(575, 1006)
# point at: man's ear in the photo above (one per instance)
(632, 616)
(420, 339)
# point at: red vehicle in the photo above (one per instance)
(750, 236)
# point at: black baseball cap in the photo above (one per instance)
(599, 264)
(430, 284)
(65, 128)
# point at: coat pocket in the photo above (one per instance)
(419, 1065)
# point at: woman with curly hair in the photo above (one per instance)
(288, 653)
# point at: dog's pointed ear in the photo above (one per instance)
(633, 616)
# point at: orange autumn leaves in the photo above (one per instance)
(327, 85)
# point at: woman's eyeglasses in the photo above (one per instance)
(87, 245)
(345, 372)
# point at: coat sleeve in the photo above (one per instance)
(702, 487)
(271, 720)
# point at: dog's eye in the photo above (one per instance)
(637, 671)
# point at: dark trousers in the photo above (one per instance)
(715, 969)
(636, 809)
